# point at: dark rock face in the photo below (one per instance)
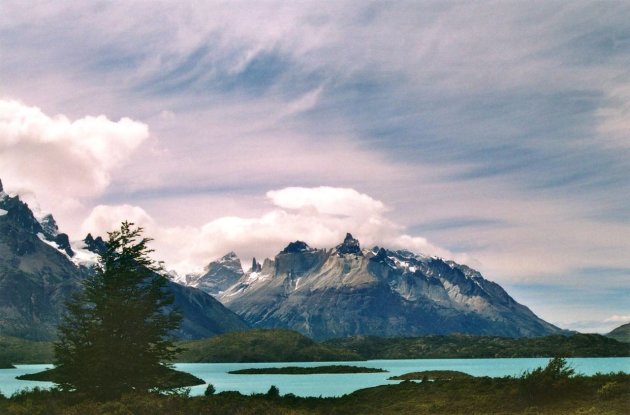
(96, 245)
(296, 247)
(346, 291)
(256, 266)
(349, 246)
(36, 279)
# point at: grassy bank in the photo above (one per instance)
(602, 394)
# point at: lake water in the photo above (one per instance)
(338, 384)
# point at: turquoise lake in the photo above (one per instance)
(338, 384)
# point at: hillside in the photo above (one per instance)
(260, 345)
(280, 345)
(621, 333)
(14, 350)
(463, 346)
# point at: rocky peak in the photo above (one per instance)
(296, 247)
(229, 257)
(96, 245)
(349, 246)
(1, 188)
(49, 226)
(256, 266)
(20, 214)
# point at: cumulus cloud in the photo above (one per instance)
(60, 160)
(320, 216)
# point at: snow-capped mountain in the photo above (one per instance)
(40, 269)
(346, 290)
(218, 275)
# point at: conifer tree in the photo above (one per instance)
(115, 335)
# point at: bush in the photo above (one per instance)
(273, 392)
(610, 390)
(543, 383)
(210, 390)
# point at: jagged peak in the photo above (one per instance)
(1, 187)
(49, 225)
(350, 245)
(96, 245)
(296, 247)
(256, 266)
(230, 256)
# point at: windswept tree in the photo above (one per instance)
(115, 335)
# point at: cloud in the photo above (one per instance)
(493, 112)
(327, 200)
(320, 216)
(617, 319)
(62, 161)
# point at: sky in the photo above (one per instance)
(493, 133)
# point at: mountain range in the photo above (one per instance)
(40, 269)
(347, 291)
(342, 291)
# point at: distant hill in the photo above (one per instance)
(465, 346)
(262, 345)
(19, 351)
(621, 333)
(281, 345)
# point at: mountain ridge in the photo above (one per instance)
(346, 290)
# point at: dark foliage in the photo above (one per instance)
(273, 392)
(294, 370)
(261, 345)
(210, 390)
(115, 334)
(466, 346)
(600, 394)
(549, 382)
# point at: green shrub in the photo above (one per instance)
(210, 390)
(544, 383)
(610, 390)
(273, 392)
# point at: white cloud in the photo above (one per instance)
(326, 200)
(320, 216)
(617, 319)
(59, 160)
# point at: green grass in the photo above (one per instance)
(294, 370)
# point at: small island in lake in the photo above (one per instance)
(294, 370)
(170, 378)
(433, 375)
